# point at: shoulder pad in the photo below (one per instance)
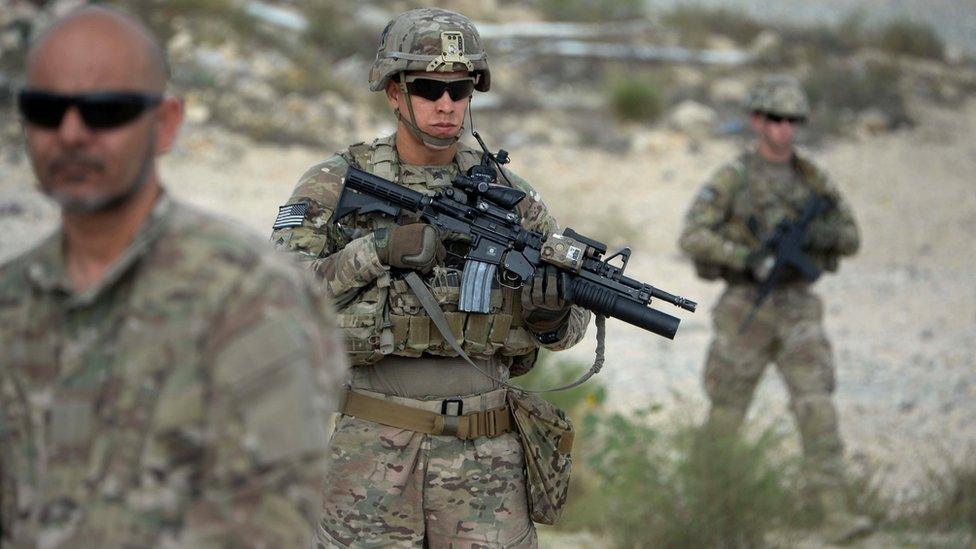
(518, 183)
(730, 177)
(812, 175)
(357, 154)
(336, 163)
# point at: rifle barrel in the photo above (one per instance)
(675, 300)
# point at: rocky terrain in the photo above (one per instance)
(901, 314)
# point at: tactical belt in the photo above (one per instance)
(450, 422)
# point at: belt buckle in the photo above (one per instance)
(448, 401)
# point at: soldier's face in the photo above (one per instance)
(81, 165)
(778, 135)
(441, 117)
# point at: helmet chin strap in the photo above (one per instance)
(411, 124)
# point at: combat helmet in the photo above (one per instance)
(781, 95)
(431, 40)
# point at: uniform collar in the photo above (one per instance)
(47, 270)
(752, 153)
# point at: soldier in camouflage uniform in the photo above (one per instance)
(731, 215)
(424, 453)
(165, 378)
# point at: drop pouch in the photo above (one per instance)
(547, 442)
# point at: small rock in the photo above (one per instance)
(767, 46)
(950, 92)
(728, 90)
(196, 112)
(693, 118)
(873, 122)
(653, 142)
(719, 42)
(688, 77)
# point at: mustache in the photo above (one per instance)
(76, 159)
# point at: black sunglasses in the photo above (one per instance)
(432, 89)
(776, 119)
(99, 110)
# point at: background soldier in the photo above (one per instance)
(395, 481)
(731, 215)
(162, 376)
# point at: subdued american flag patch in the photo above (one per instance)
(290, 215)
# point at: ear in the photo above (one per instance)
(169, 118)
(393, 93)
(756, 121)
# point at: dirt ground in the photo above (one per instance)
(901, 314)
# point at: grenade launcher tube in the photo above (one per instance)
(602, 300)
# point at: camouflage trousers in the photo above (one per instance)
(391, 487)
(788, 331)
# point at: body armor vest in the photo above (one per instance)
(386, 318)
(755, 210)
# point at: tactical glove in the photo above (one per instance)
(416, 246)
(759, 264)
(542, 300)
(821, 236)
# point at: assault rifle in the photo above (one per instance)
(785, 245)
(502, 248)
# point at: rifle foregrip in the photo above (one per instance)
(606, 302)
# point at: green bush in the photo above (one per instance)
(866, 497)
(949, 499)
(214, 21)
(906, 37)
(821, 40)
(333, 28)
(636, 99)
(641, 486)
(839, 91)
(591, 10)
(695, 24)
(687, 488)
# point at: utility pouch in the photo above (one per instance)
(708, 270)
(547, 442)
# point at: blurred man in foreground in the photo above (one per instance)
(728, 231)
(165, 379)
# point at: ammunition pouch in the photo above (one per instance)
(731, 277)
(367, 331)
(707, 270)
(396, 312)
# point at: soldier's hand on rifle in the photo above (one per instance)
(542, 300)
(760, 263)
(416, 246)
(821, 236)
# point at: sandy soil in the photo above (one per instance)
(901, 314)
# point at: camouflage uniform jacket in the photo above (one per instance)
(181, 401)
(738, 207)
(382, 316)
